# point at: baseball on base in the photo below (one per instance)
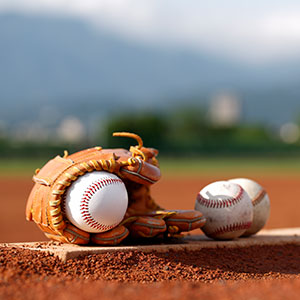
(260, 201)
(96, 201)
(227, 208)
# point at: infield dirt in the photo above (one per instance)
(257, 272)
(170, 192)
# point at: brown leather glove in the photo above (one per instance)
(138, 168)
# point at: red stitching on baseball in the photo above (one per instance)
(220, 203)
(259, 197)
(84, 204)
(231, 227)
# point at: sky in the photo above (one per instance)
(257, 31)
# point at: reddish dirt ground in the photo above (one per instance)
(252, 273)
(170, 192)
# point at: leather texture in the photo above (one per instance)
(137, 167)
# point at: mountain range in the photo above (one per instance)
(66, 65)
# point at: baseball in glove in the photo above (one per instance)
(138, 168)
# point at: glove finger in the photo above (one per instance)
(184, 220)
(76, 235)
(71, 234)
(112, 237)
(147, 227)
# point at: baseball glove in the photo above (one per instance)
(138, 168)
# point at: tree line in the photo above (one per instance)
(184, 132)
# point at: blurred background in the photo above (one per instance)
(214, 82)
(196, 77)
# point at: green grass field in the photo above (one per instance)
(184, 166)
(230, 165)
(20, 166)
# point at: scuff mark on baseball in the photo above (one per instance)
(227, 208)
(260, 201)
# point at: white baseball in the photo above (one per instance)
(227, 208)
(260, 201)
(96, 201)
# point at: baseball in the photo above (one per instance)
(227, 208)
(260, 201)
(96, 202)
